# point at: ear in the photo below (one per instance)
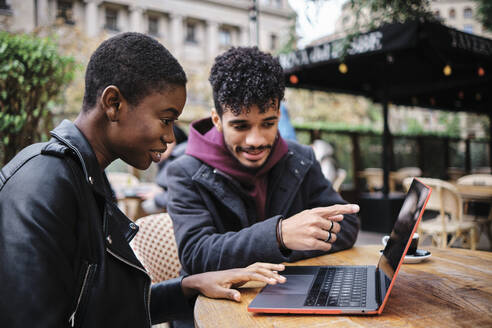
(216, 120)
(112, 103)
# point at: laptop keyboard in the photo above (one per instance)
(339, 286)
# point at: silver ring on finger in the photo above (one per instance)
(327, 240)
(332, 224)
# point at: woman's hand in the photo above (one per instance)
(220, 284)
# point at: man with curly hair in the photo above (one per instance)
(242, 193)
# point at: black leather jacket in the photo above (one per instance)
(65, 258)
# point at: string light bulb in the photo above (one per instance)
(343, 68)
(293, 79)
(481, 71)
(447, 70)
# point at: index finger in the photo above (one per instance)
(268, 266)
(333, 210)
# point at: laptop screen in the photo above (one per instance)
(403, 228)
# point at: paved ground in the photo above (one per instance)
(374, 238)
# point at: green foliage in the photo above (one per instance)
(484, 13)
(32, 76)
(370, 14)
(290, 43)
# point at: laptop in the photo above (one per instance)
(347, 289)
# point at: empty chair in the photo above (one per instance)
(407, 172)
(155, 247)
(448, 225)
(484, 219)
(476, 180)
(119, 181)
(374, 179)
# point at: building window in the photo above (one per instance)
(64, 11)
(452, 13)
(278, 3)
(4, 5)
(273, 42)
(111, 20)
(468, 28)
(225, 37)
(467, 13)
(191, 33)
(153, 26)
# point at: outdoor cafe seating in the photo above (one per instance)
(374, 177)
(448, 225)
(476, 190)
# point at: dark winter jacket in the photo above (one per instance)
(65, 257)
(215, 219)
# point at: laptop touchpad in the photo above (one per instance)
(295, 284)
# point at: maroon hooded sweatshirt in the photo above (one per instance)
(209, 147)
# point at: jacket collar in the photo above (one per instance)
(69, 135)
(285, 178)
(118, 229)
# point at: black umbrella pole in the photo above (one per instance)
(386, 151)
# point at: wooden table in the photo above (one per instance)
(453, 288)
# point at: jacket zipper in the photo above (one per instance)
(138, 268)
(71, 320)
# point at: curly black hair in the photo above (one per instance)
(245, 76)
(136, 63)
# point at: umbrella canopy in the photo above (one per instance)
(415, 63)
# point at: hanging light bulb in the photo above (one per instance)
(447, 70)
(481, 71)
(293, 79)
(343, 68)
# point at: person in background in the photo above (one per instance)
(155, 200)
(285, 127)
(64, 244)
(325, 155)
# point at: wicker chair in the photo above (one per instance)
(446, 201)
(476, 180)
(484, 222)
(156, 247)
(374, 179)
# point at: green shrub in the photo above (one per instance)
(32, 77)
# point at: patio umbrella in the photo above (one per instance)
(415, 64)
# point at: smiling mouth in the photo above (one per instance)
(156, 155)
(254, 155)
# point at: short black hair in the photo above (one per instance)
(135, 63)
(245, 76)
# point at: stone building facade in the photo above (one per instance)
(195, 31)
(460, 14)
